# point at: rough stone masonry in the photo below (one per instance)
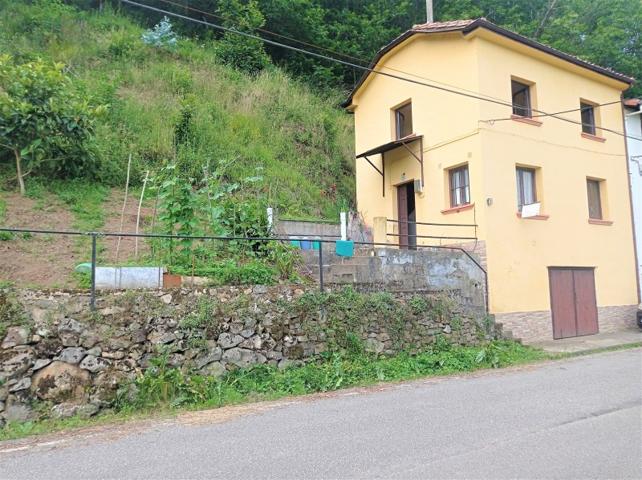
(60, 359)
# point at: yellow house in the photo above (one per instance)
(466, 154)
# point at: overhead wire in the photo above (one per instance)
(357, 66)
(367, 62)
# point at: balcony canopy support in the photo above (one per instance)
(402, 142)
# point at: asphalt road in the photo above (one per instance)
(579, 418)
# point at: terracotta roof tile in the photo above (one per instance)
(442, 26)
(468, 26)
(633, 102)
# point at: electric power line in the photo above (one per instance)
(367, 62)
(353, 65)
(301, 42)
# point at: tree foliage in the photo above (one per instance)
(606, 32)
(45, 124)
(246, 54)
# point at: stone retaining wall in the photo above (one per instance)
(60, 359)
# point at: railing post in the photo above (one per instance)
(379, 230)
(321, 266)
(93, 272)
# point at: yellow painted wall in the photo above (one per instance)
(446, 143)
(518, 250)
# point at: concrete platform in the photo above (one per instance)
(591, 342)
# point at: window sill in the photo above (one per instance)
(458, 208)
(594, 221)
(595, 138)
(536, 217)
(527, 120)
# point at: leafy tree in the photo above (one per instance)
(241, 52)
(44, 123)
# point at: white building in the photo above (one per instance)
(633, 115)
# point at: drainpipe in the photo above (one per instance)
(628, 172)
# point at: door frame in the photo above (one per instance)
(550, 291)
(410, 242)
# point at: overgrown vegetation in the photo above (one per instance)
(179, 105)
(164, 386)
(605, 32)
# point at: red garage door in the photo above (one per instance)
(573, 302)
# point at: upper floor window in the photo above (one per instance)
(588, 118)
(526, 193)
(459, 186)
(521, 95)
(594, 199)
(403, 121)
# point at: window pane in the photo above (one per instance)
(594, 200)
(529, 187)
(403, 116)
(588, 118)
(526, 193)
(521, 99)
(459, 188)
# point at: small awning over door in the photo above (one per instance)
(386, 147)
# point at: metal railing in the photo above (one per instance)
(94, 236)
(434, 224)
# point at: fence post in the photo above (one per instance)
(321, 266)
(270, 219)
(93, 272)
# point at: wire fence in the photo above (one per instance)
(320, 243)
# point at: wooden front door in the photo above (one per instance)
(573, 301)
(406, 215)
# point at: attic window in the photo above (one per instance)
(588, 118)
(521, 94)
(403, 121)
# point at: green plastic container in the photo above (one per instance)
(344, 248)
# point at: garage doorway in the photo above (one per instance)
(407, 216)
(573, 301)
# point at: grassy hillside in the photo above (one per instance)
(297, 141)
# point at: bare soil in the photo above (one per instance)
(48, 261)
(40, 260)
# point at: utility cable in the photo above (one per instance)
(350, 64)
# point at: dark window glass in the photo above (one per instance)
(521, 98)
(526, 193)
(403, 121)
(594, 200)
(588, 118)
(459, 186)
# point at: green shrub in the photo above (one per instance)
(165, 386)
(229, 272)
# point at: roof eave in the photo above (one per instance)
(483, 23)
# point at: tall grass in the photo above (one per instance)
(164, 386)
(302, 142)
